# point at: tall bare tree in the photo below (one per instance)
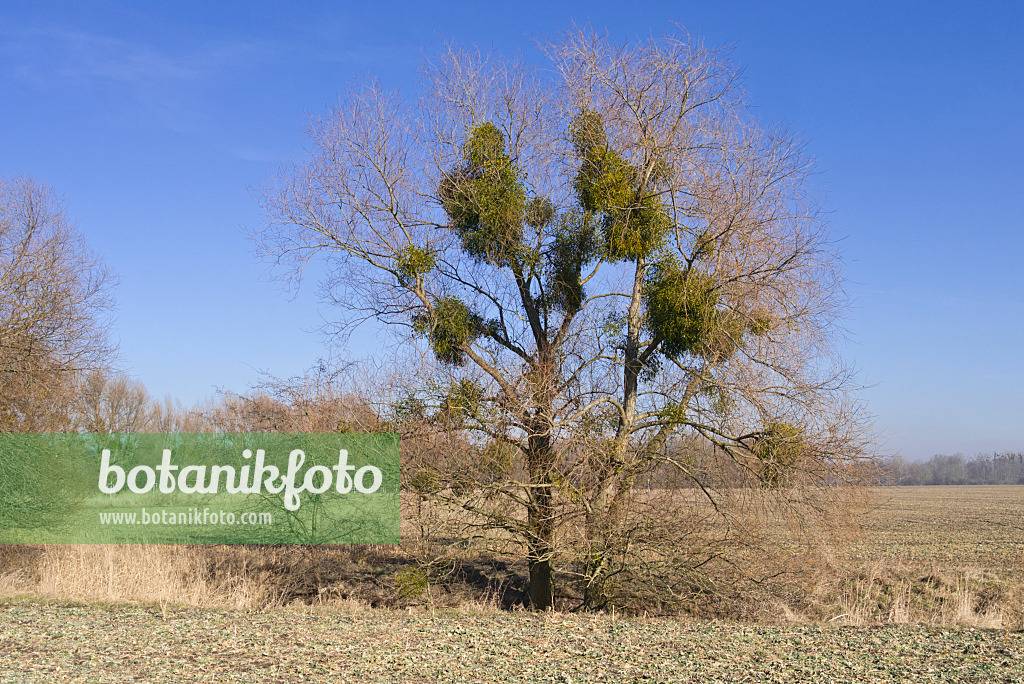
(608, 258)
(55, 308)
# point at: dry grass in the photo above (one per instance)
(352, 578)
(165, 575)
(939, 556)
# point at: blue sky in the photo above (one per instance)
(153, 120)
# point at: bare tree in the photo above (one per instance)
(55, 308)
(607, 258)
(109, 402)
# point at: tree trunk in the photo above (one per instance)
(541, 521)
(542, 585)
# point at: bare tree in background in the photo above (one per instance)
(625, 284)
(110, 402)
(55, 309)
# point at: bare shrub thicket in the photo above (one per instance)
(328, 398)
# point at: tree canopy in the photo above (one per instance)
(616, 272)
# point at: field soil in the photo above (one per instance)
(51, 642)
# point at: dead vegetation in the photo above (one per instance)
(941, 556)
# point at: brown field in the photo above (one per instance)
(977, 527)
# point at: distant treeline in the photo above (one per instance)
(994, 469)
